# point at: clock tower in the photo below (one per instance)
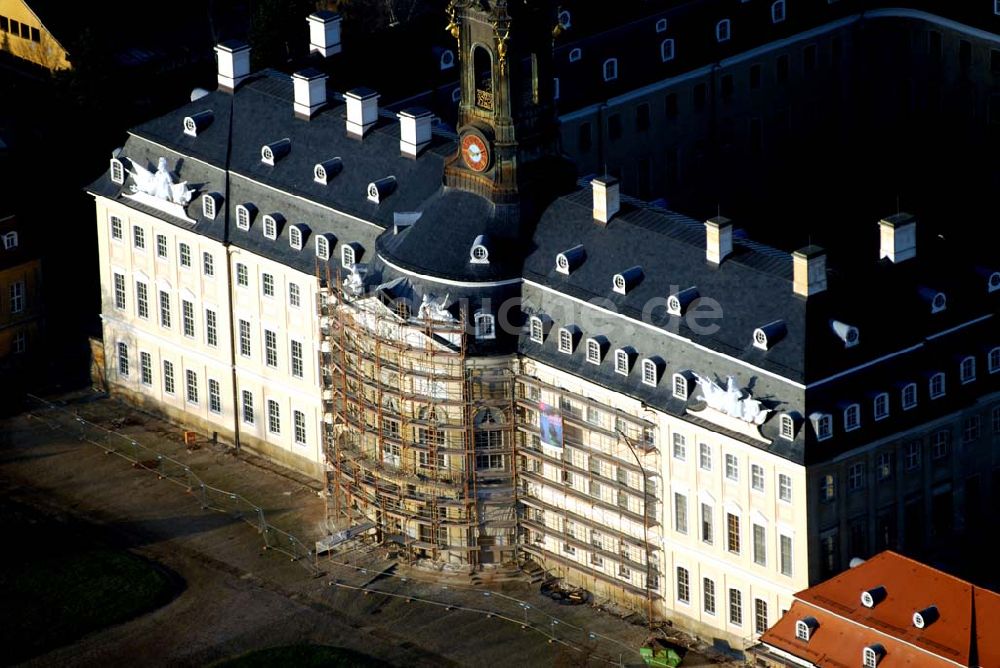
(508, 136)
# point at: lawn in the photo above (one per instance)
(303, 656)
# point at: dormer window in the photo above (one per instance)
(323, 247)
(623, 361)
(909, 396)
(210, 205)
(297, 236)
(650, 372)
(625, 281)
(681, 386)
(786, 428)
(536, 329)
(570, 259)
(275, 151)
(564, 19)
(480, 252)
(661, 25)
(994, 360)
(871, 655)
(379, 190)
(610, 69)
(326, 170)
(937, 300)
(10, 239)
(778, 11)
(244, 216)
(447, 60)
(846, 333)
(348, 255)
(667, 50)
(822, 425)
(722, 31)
(575, 55)
(936, 386)
(117, 171)
(271, 222)
(881, 406)
(678, 303)
(566, 340)
(967, 370)
(196, 123)
(485, 326)
(993, 283)
(852, 417)
(596, 347)
(804, 628)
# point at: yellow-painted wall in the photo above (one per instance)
(26, 320)
(45, 51)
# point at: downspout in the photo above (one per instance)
(229, 282)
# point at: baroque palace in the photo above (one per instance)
(493, 363)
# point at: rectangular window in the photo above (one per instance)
(759, 545)
(161, 246)
(680, 513)
(971, 429)
(270, 348)
(122, 359)
(856, 477)
(996, 420)
(267, 284)
(245, 338)
(191, 386)
(146, 368)
(248, 415)
(707, 524)
(786, 554)
(138, 237)
(683, 585)
(242, 276)
(211, 330)
(299, 418)
(120, 291)
(185, 255)
(912, 455)
(940, 444)
(116, 228)
(759, 615)
(296, 347)
(708, 595)
(757, 477)
(164, 309)
(208, 264)
(16, 296)
(732, 468)
(294, 296)
(680, 447)
(273, 417)
(705, 457)
(214, 396)
(785, 488)
(168, 377)
(141, 300)
(736, 607)
(187, 315)
(827, 487)
(733, 533)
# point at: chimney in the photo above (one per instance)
(362, 111)
(233, 58)
(607, 200)
(718, 239)
(310, 92)
(414, 130)
(809, 271)
(324, 33)
(898, 237)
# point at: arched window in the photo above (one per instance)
(909, 396)
(968, 370)
(994, 360)
(270, 227)
(623, 362)
(881, 406)
(852, 417)
(565, 341)
(482, 64)
(778, 11)
(537, 329)
(565, 20)
(667, 50)
(593, 351)
(447, 59)
(681, 386)
(295, 238)
(347, 256)
(575, 55)
(322, 248)
(661, 25)
(650, 373)
(787, 427)
(485, 326)
(243, 217)
(722, 31)
(936, 386)
(610, 69)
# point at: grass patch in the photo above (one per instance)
(304, 656)
(58, 584)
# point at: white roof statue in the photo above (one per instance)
(731, 400)
(433, 310)
(158, 190)
(355, 284)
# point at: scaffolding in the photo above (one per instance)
(419, 435)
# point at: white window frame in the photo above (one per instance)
(165, 311)
(735, 619)
(117, 170)
(723, 31)
(119, 282)
(758, 530)
(824, 427)
(880, 405)
(610, 69)
(993, 357)
(732, 468)
(187, 318)
(145, 368)
(270, 227)
(485, 326)
(162, 247)
(622, 362)
(294, 295)
(856, 477)
(679, 448)
(267, 288)
(967, 369)
(214, 396)
(680, 512)
(299, 423)
(184, 254)
(207, 264)
(786, 424)
(683, 585)
(708, 595)
(661, 25)
(650, 374)
(242, 275)
(348, 258)
(784, 488)
(782, 536)
(852, 417)
(243, 217)
(211, 328)
(296, 357)
(243, 329)
(757, 475)
(936, 392)
(16, 291)
(208, 206)
(10, 241)
(679, 387)
(322, 247)
(169, 382)
(273, 417)
(704, 456)
(246, 407)
(271, 348)
(668, 50)
(576, 54)
(593, 351)
(909, 389)
(122, 351)
(191, 386)
(117, 228)
(295, 237)
(138, 237)
(565, 340)
(778, 13)
(536, 329)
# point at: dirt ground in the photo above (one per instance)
(239, 597)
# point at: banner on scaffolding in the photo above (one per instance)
(551, 425)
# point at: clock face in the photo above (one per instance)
(475, 153)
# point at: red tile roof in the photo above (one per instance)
(846, 626)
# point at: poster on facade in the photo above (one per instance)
(551, 425)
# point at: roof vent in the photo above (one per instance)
(872, 597)
(809, 271)
(898, 237)
(926, 617)
(607, 198)
(570, 259)
(414, 130)
(275, 151)
(766, 336)
(233, 58)
(362, 111)
(480, 251)
(937, 300)
(326, 170)
(991, 276)
(718, 239)
(196, 123)
(678, 303)
(309, 87)
(379, 190)
(324, 33)
(846, 333)
(622, 283)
